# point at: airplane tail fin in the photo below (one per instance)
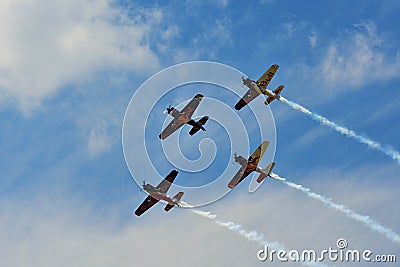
(267, 170)
(177, 198)
(199, 125)
(277, 93)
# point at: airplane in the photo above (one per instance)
(250, 165)
(160, 193)
(260, 87)
(184, 117)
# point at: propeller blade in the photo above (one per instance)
(169, 107)
(234, 159)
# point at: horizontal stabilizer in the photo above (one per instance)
(261, 177)
(269, 100)
(278, 90)
(176, 198)
(168, 207)
(267, 170)
(197, 125)
(203, 120)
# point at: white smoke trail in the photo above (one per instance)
(395, 155)
(366, 220)
(251, 235)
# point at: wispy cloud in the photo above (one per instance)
(357, 59)
(207, 43)
(313, 40)
(98, 142)
(46, 45)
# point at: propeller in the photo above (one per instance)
(242, 85)
(233, 162)
(141, 188)
(169, 107)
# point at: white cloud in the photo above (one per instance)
(60, 232)
(45, 45)
(313, 40)
(223, 3)
(357, 59)
(98, 143)
(208, 43)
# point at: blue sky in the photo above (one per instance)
(68, 70)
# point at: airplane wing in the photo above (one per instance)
(239, 176)
(174, 125)
(258, 153)
(267, 76)
(166, 183)
(249, 96)
(192, 105)
(147, 204)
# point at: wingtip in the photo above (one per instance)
(265, 143)
(199, 96)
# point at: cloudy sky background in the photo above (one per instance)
(69, 68)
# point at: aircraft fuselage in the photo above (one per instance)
(179, 116)
(152, 191)
(253, 85)
(249, 165)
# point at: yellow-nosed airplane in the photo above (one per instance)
(250, 165)
(260, 87)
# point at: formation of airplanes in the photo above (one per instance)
(180, 118)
